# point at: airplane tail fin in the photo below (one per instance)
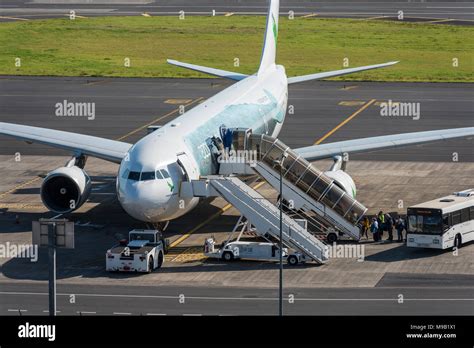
(270, 39)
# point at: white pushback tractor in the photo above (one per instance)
(143, 252)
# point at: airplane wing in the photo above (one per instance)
(210, 71)
(316, 152)
(109, 150)
(334, 73)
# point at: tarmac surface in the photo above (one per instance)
(123, 108)
(432, 282)
(439, 12)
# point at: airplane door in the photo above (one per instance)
(188, 167)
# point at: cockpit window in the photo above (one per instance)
(158, 175)
(135, 176)
(147, 176)
(165, 174)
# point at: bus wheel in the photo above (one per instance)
(331, 238)
(150, 265)
(458, 241)
(292, 260)
(227, 256)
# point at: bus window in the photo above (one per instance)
(428, 224)
(456, 218)
(465, 215)
(446, 222)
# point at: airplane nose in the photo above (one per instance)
(146, 201)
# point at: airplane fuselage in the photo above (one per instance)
(150, 175)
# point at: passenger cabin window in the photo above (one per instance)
(147, 176)
(135, 176)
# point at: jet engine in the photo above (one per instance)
(65, 189)
(343, 180)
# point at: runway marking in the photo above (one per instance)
(441, 21)
(146, 14)
(309, 15)
(211, 218)
(122, 313)
(99, 82)
(156, 314)
(177, 101)
(18, 310)
(228, 14)
(369, 103)
(20, 205)
(348, 88)
(157, 119)
(191, 254)
(21, 185)
(15, 18)
(206, 298)
(47, 311)
(351, 103)
(84, 312)
(76, 16)
(370, 18)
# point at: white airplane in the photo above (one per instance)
(152, 170)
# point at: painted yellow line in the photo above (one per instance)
(228, 14)
(178, 101)
(146, 14)
(440, 21)
(15, 18)
(156, 120)
(351, 102)
(309, 15)
(211, 218)
(369, 103)
(23, 184)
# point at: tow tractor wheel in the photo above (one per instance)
(227, 256)
(150, 264)
(292, 260)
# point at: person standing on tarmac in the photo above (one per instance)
(365, 227)
(381, 224)
(389, 226)
(374, 228)
(400, 226)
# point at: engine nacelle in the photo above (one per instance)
(343, 180)
(65, 189)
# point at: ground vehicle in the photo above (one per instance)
(143, 252)
(442, 223)
(263, 251)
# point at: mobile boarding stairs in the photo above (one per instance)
(312, 194)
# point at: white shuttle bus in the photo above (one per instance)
(442, 223)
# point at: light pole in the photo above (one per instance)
(280, 294)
